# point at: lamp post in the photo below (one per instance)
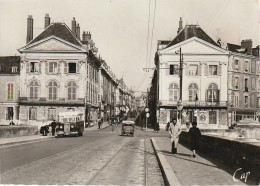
(196, 99)
(179, 104)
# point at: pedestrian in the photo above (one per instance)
(175, 131)
(167, 126)
(194, 138)
(53, 127)
(156, 127)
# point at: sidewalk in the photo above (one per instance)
(189, 170)
(22, 139)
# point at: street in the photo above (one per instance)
(99, 157)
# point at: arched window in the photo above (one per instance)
(53, 89)
(72, 90)
(193, 91)
(213, 93)
(173, 92)
(34, 86)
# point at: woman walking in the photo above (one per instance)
(175, 131)
(194, 138)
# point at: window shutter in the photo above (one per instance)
(59, 65)
(244, 69)
(167, 70)
(187, 70)
(199, 70)
(206, 70)
(78, 68)
(219, 69)
(46, 68)
(40, 67)
(249, 84)
(207, 93)
(27, 67)
(217, 96)
(65, 67)
(233, 64)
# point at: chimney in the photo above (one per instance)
(29, 29)
(186, 32)
(83, 36)
(247, 44)
(73, 27)
(88, 36)
(78, 31)
(180, 25)
(47, 21)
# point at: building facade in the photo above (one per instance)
(9, 94)
(204, 79)
(243, 83)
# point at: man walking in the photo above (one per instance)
(175, 131)
(53, 127)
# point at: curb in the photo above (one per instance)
(24, 141)
(169, 177)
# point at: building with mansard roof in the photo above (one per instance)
(61, 71)
(204, 83)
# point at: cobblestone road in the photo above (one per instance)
(112, 159)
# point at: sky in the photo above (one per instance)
(120, 31)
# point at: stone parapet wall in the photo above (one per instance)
(232, 153)
(16, 131)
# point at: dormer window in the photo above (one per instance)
(14, 69)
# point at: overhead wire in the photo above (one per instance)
(148, 34)
(152, 34)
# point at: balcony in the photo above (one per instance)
(193, 104)
(44, 101)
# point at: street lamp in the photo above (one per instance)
(196, 99)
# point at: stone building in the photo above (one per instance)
(204, 83)
(9, 94)
(243, 83)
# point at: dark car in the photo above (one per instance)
(128, 128)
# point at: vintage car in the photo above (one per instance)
(128, 128)
(70, 123)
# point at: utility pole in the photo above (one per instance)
(180, 104)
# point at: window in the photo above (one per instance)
(246, 99)
(53, 68)
(213, 69)
(72, 90)
(258, 102)
(53, 87)
(253, 66)
(236, 64)
(32, 113)
(246, 84)
(258, 84)
(173, 69)
(253, 83)
(33, 86)
(212, 117)
(193, 92)
(51, 114)
(246, 66)
(9, 113)
(236, 83)
(213, 93)
(72, 67)
(34, 67)
(236, 101)
(10, 91)
(193, 69)
(14, 69)
(173, 92)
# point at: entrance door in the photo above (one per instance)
(212, 117)
(9, 113)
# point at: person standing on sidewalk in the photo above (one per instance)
(194, 138)
(175, 131)
(53, 127)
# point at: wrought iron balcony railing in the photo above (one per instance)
(194, 103)
(47, 101)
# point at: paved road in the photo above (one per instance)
(99, 157)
